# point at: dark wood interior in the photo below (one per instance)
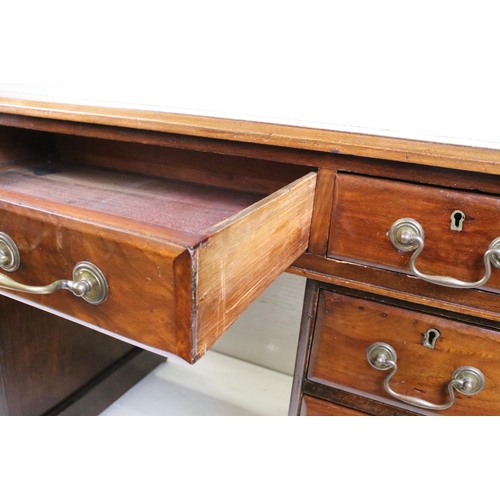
(46, 360)
(187, 207)
(232, 171)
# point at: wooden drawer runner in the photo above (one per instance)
(346, 327)
(182, 260)
(365, 209)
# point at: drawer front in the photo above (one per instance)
(140, 307)
(181, 261)
(365, 209)
(314, 407)
(347, 326)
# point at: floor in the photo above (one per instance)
(216, 385)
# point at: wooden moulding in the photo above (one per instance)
(318, 398)
(314, 407)
(453, 156)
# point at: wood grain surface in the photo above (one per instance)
(150, 201)
(314, 407)
(346, 143)
(246, 254)
(365, 209)
(346, 326)
(210, 168)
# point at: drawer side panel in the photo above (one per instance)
(243, 257)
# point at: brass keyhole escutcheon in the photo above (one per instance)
(430, 338)
(457, 220)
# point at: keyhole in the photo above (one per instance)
(457, 220)
(430, 338)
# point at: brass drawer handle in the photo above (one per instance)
(407, 235)
(466, 379)
(88, 281)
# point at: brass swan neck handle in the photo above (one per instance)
(88, 280)
(407, 235)
(467, 380)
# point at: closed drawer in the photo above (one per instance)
(314, 407)
(181, 260)
(458, 227)
(346, 327)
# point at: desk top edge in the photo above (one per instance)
(368, 145)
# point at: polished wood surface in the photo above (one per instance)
(344, 143)
(51, 244)
(313, 407)
(322, 214)
(149, 276)
(346, 326)
(371, 263)
(254, 153)
(365, 209)
(309, 312)
(303, 386)
(483, 305)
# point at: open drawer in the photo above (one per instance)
(180, 260)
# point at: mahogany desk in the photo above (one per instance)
(162, 228)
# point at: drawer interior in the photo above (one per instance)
(186, 239)
(189, 191)
(183, 206)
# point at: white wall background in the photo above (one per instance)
(415, 69)
(267, 333)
